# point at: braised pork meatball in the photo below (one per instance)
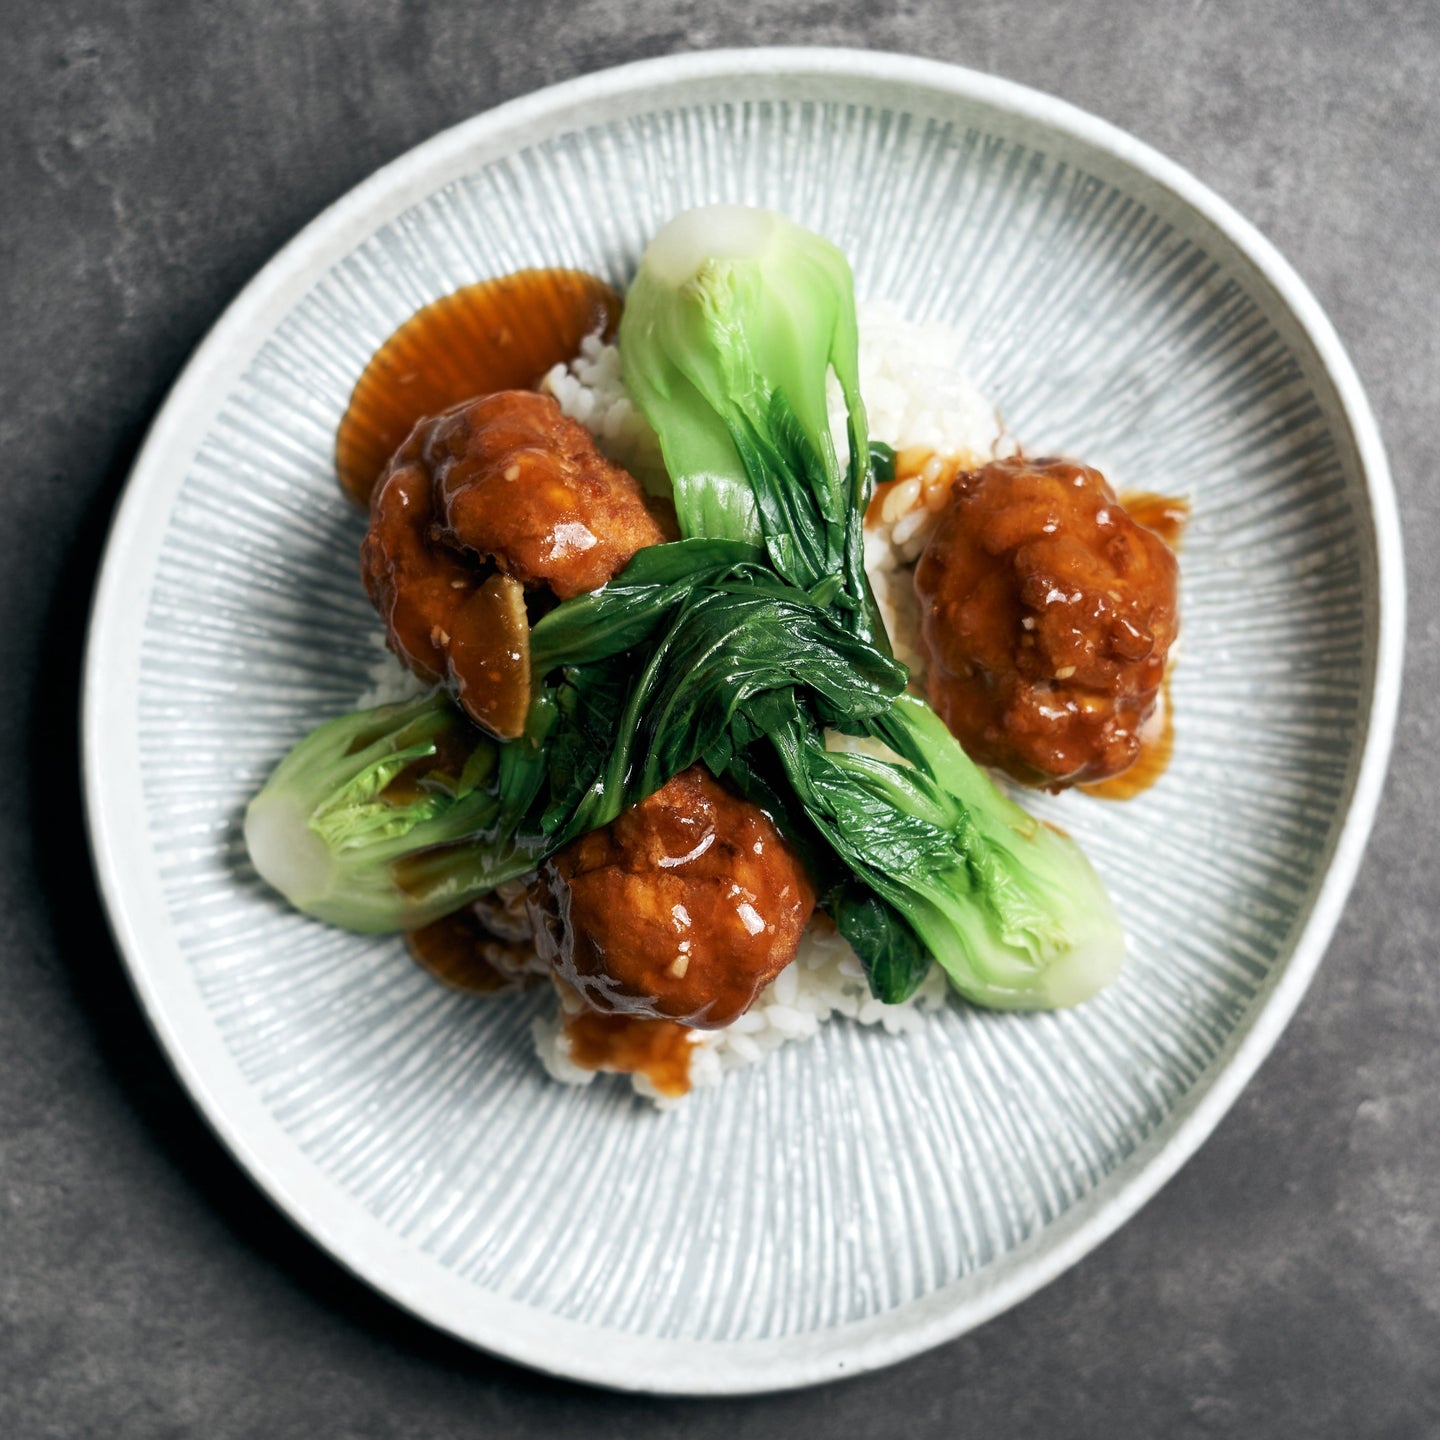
(504, 482)
(683, 908)
(1046, 615)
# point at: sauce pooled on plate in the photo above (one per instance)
(500, 334)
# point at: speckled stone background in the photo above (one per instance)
(152, 157)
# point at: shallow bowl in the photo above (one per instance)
(861, 1197)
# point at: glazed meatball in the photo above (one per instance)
(1046, 615)
(683, 908)
(506, 479)
(519, 481)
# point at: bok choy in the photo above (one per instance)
(371, 821)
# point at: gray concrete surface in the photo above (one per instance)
(1287, 1283)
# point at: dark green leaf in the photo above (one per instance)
(895, 959)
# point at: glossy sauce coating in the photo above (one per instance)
(932, 473)
(1157, 744)
(683, 908)
(1165, 515)
(465, 951)
(501, 334)
(439, 770)
(1047, 615)
(632, 1045)
(509, 481)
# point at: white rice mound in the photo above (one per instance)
(589, 389)
(390, 681)
(825, 979)
(917, 398)
(915, 389)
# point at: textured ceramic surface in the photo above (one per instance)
(862, 1196)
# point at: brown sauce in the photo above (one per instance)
(453, 748)
(1165, 515)
(489, 656)
(501, 334)
(877, 500)
(462, 952)
(632, 1045)
(915, 463)
(1150, 764)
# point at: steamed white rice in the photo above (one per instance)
(917, 399)
(824, 980)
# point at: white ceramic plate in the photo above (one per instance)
(859, 1198)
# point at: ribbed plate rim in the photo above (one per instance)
(319, 1207)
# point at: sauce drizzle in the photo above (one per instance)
(1166, 516)
(501, 334)
(632, 1045)
(457, 951)
(1156, 747)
